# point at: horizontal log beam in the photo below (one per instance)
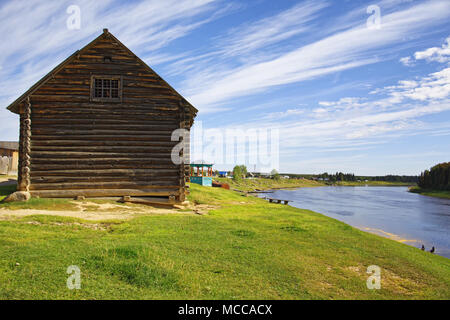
(102, 193)
(45, 155)
(81, 143)
(104, 172)
(162, 185)
(120, 178)
(102, 149)
(92, 137)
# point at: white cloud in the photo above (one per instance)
(284, 114)
(344, 103)
(436, 54)
(270, 30)
(35, 37)
(348, 49)
(357, 122)
(433, 87)
(407, 61)
(439, 54)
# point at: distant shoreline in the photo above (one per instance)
(259, 185)
(442, 194)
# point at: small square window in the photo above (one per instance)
(104, 88)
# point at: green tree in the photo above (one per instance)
(275, 175)
(243, 170)
(437, 178)
(237, 173)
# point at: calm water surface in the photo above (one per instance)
(388, 211)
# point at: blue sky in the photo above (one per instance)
(345, 93)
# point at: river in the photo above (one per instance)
(392, 212)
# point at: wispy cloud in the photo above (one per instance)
(359, 122)
(35, 37)
(43, 37)
(271, 30)
(344, 50)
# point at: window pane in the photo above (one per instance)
(106, 88)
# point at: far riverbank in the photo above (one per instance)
(431, 193)
(263, 184)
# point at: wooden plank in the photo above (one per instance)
(121, 178)
(103, 149)
(154, 136)
(103, 172)
(162, 185)
(43, 155)
(102, 193)
(97, 167)
(81, 143)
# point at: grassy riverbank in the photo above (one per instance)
(245, 248)
(431, 193)
(267, 184)
(373, 183)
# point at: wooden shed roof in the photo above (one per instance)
(10, 145)
(14, 107)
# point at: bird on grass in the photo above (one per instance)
(432, 250)
(423, 248)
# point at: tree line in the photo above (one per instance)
(240, 172)
(340, 176)
(437, 178)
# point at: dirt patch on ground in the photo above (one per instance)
(108, 211)
(201, 209)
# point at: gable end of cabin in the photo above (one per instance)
(100, 125)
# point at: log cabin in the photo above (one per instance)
(100, 125)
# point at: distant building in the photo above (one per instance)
(9, 157)
(264, 175)
(223, 174)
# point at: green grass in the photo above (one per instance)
(246, 248)
(431, 193)
(34, 203)
(6, 190)
(266, 184)
(41, 204)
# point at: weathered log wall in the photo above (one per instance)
(82, 147)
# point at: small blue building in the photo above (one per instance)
(201, 174)
(223, 174)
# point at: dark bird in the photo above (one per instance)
(432, 250)
(423, 248)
